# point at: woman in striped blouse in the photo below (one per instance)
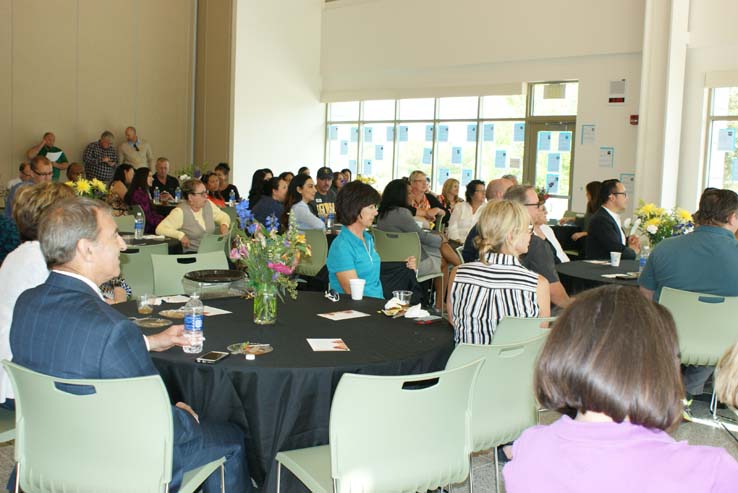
(497, 286)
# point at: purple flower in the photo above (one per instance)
(252, 228)
(235, 254)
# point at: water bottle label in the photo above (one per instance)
(193, 322)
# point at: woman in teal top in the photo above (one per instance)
(352, 254)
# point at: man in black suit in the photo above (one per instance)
(605, 233)
(65, 329)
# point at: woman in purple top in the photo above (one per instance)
(138, 194)
(611, 366)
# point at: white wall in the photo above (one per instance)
(379, 46)
(278, 120)
(713, 46)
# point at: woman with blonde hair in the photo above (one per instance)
(450, 195)
(497, 286)
(726, 377)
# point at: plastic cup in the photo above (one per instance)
(615, 259)
(403, 296)
(144, 306)
(357, 289)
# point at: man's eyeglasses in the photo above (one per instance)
(620, 193)
(42, 174)
(202, 194)
(535, 204)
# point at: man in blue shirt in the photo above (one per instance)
(705, 261)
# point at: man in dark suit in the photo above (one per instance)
(64, 328)
(605, 233)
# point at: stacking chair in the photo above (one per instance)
(126, 224)
(310, 266)
(399, 433)
(137, 269)
(396, 247)
(705, 325)
(169, 269)
(459, 252)
(213, 243)
(512, 330)
(504, 401)
(117, 439)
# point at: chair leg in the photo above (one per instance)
(713, 405)
(222, 478)
(279, 475)
(497, 472)
(471, 476)
(17, 477)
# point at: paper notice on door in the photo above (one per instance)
(607, 157)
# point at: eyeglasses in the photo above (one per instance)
(203, 194)
(535, 204)
(620, 193)
(42, 174)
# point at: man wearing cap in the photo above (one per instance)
(325, 198)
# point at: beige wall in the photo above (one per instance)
(78, 67)
(214, 82)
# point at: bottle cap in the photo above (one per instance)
(250, 357)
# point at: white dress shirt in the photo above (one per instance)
(462, 221)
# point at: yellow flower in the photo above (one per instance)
(70, 184)
(660, 211)
(647, 209)
(683, 215)
(83, 187)
(656, 221)
(300, 239)
(98, 184)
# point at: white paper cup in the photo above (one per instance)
(357, 288)
(615, 259)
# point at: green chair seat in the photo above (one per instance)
(125, 224)
(213, 243)
(118, 439)
(170, 269)
(137, 269)
(310, 266)
(398, 433)
(512, 330)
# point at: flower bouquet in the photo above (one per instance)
(368, 180)
(269, 259)
(657, 223)
(94, 189)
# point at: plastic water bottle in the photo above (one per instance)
(193, 324)
(157, 195)
(138, 226)
(178, 194)
(329, 221)
(232, 198)
(643, 258)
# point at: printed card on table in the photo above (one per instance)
(328, 345)
(343, 315)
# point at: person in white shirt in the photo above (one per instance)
(544, 232)
(466, 214)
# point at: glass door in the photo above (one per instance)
(549, 162)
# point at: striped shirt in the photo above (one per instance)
(482, 295)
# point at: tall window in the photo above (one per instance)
(466, 138)
(722, 127)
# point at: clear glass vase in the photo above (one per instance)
(265, 304)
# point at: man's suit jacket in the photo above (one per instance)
(64, 329)
(604, 237)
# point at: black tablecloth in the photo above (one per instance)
(581, 275)
(282, 399)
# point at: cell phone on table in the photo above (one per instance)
(212, 357)
(427, 320)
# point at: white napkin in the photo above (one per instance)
(416, 312)
(393, 303)
(153, 237)
(178, 298)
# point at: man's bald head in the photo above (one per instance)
(497, 188)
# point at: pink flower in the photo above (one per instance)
(235, 255)
(279, 267)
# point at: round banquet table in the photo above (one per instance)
(173, 245)
(282, 399)
(580, 275)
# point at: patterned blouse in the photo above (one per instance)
(482, 295)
